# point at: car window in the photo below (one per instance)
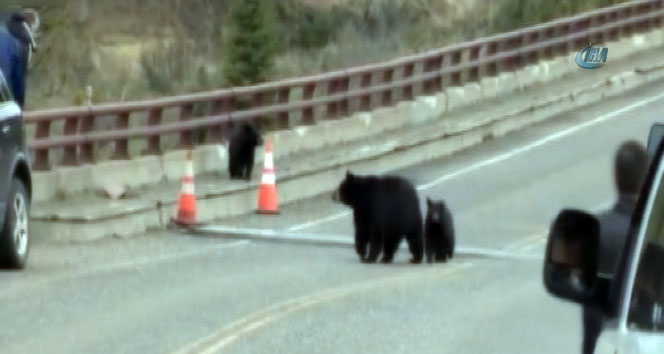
(647, 303)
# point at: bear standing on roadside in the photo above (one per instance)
(438, 232)
(385, 209)
(242, 146)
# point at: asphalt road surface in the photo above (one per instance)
(175, 293)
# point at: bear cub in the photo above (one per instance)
(438, 232)
(242, 146)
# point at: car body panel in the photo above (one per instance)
(13, 151)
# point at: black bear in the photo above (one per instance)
(385, 209)
(438, 232)
(241, 149)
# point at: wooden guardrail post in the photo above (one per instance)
(344, 104)
(41, 162)
(308, 112)
(121, 145)
(87, 149)
(154, 141)
(388, 76)
(332, 107)
(366, 102)
(407, 90)
(432, 65)
(283, 118)
(70, 152)
(186, 111)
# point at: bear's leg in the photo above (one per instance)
(428, 248)
(390, 246)
(415, 243)
(441, 253)
(361, 236)
(232, 167)
(375, 245)
(249, 165)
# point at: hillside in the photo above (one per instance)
(131, 49)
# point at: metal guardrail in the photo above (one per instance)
(326, 96)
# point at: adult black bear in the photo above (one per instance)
(385, 209)
(241, 149)
(438, 232)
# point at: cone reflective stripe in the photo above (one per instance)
(186, 214)
(268, 199)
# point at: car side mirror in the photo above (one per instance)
(572, 257)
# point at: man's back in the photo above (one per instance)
(614, 225)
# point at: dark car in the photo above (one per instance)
(15, 183)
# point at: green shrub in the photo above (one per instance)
(251, 45)
(166, 67)
(512, 14)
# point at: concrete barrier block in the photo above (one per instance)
(456, 97)
(569, 66)
(463, 96)
(130, 173)
(586, 95)
(490, 87)
(657, 38)
(506, 83)
(240, 203)
(528, 76)
(614, 86)
(173, 163)
(640, 41)
(44, 185)
(386, 118)
(473, 92)
(306, 138)
(73, 180)
(438, 107)
(405, 113)
(620, 49)
(471, 139)
(424, 110)
(128, 225)
(441, 99)
(553, 69)
(630, 80)
(211, 158)
(287, 142)
(356, 126)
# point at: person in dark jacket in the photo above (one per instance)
(16, 42)
(631, 167)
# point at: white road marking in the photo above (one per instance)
(227, 335)
(163, 258)
(325, 220)
(502, 157)
(341, 240)
(75, 274)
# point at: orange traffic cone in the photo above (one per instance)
(186, 213)
(268, 199)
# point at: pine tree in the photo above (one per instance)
(251, 45)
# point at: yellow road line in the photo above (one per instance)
(228, 334)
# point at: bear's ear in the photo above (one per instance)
(349, 175)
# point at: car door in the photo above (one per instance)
(639, 326)
(11, 134)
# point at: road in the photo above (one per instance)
(176, 293)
